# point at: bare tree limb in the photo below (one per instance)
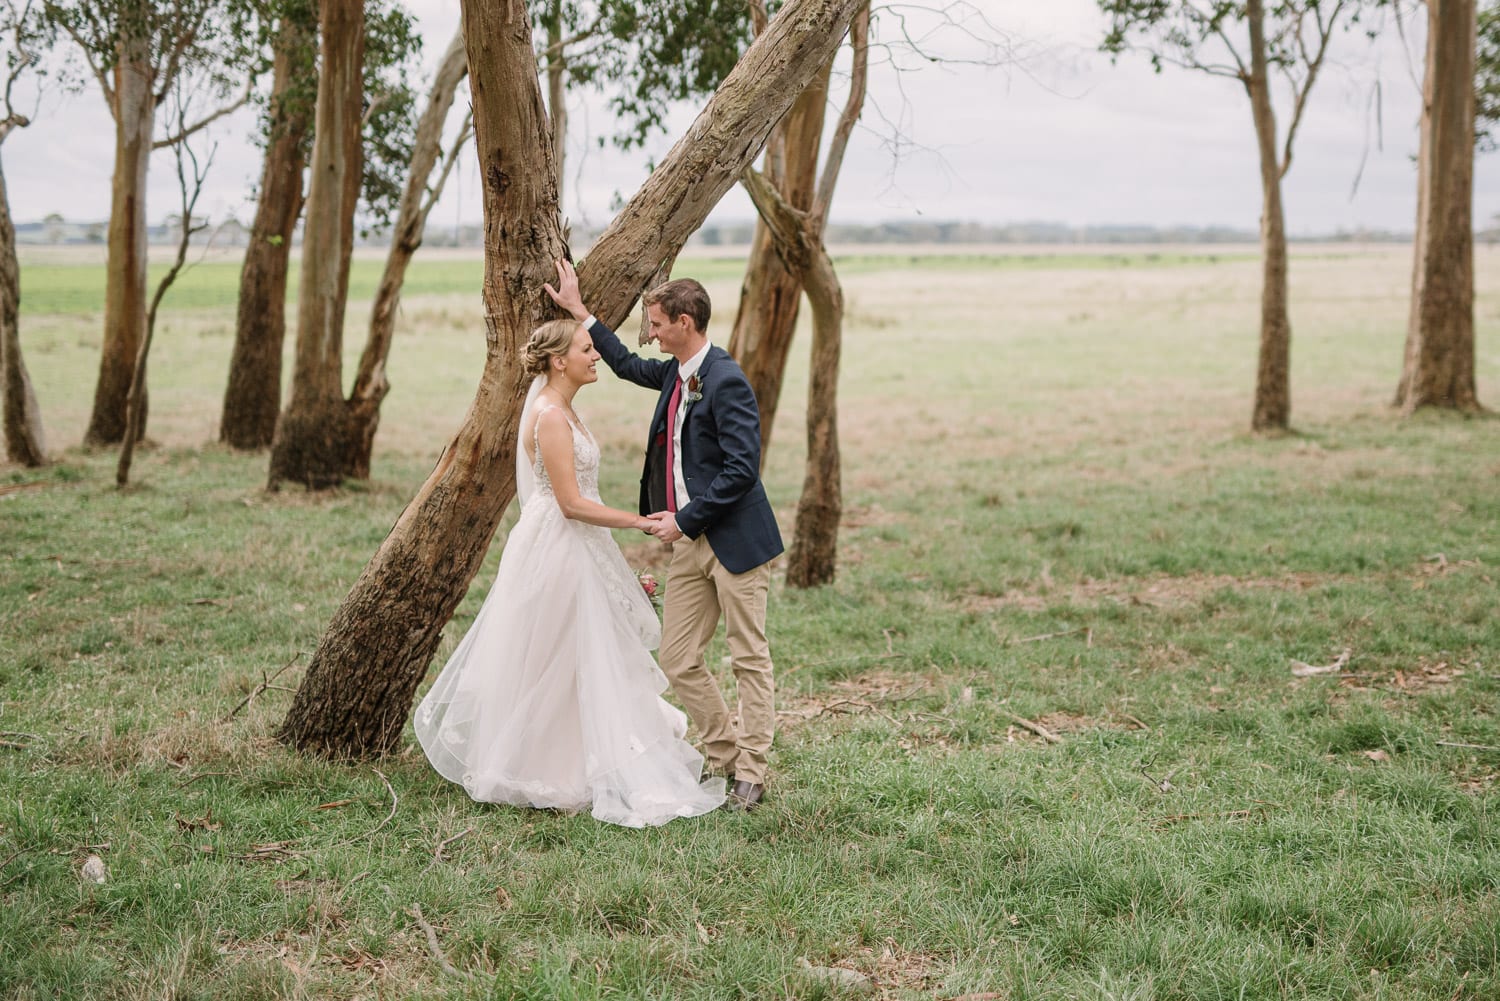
(188, 130)
(1325, 34)
(859, 41)
(433, 945)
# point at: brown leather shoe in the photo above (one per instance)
(745, 795)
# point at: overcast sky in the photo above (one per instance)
(1057, 134)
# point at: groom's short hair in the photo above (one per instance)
(679, 296)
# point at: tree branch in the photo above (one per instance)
(446, 166)
(205, 122)
(1325, 34)
(859, 41)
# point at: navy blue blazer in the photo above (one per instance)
(720, 453)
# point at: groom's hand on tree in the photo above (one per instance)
(566, 294)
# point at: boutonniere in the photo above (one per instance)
(694, 388)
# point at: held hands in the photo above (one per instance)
(663, 525)
(566, 294)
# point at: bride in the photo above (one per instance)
(552, 698)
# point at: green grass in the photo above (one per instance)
(1052, 513)
(77, 286)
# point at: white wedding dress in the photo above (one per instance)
(552, 698)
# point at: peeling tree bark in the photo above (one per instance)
(24, 441)
(362, 678)
(1438, 370)
(252, 399)
(309, 446)
(370, 382)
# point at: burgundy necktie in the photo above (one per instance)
(671, 447)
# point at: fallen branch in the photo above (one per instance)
(1131, 719)
(200, 775)
(1471, 747)
(1035, 728)
(395, 802)
(432, 944)
(1065, 632)
(437, 855)
(265, 683)
(13, 745)
(1302, 670)
(1224, 815)
(15, 488)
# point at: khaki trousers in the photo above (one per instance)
(698, 591)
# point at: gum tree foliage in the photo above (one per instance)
(1487, 79)
(644, 55)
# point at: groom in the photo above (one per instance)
(701, 485)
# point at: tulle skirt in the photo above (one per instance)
(552, 699)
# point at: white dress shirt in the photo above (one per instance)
(685, 371)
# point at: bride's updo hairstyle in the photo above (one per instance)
(551, 340)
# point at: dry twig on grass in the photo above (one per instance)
(1034, 727)
(434, 946)
(1065, 632)
(437, 855)
(1471, 747)
(265, 684)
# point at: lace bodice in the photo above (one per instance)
(585, 457)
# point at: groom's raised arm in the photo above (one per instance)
(621, 360)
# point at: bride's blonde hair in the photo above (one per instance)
(551, 340)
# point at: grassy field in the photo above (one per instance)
(1054, 520)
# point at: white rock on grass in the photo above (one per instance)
(845, 979)
(93, 870)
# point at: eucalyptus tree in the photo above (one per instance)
(289, 46)
(135, 399)
(138, 51)
(252, 398)
(25, 37)
(1254, 43)
(360, 683)
(420, 193)
(1438, 370)
(311, 432)
(793, 202)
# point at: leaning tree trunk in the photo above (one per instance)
(370, 382)
(24, 442)
(770, 295)
(125, 275)
(361, 680)
(1439, 363)
(309, 446)
(252, 399)
(1273, 397)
